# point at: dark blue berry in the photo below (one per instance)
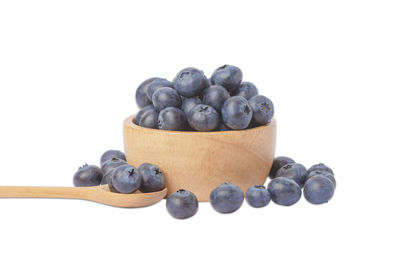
(149, 119)
(190, 103)
(294, 171)
(258, 196)
(172, 118)
(156, 84)
(152, 178)
(226, 198)
(278, 163)
(109, 154)
(247, 90)
(320, 167)
(318, 189)
(236, 113)
(203, 118)
(190, 82)
(322, 173)
(215, 96)
(141, 93)
(228, 76)
(222, 127)
(141, 112)
(182, 204)
(263, 109)
(107, 177)
(166, 97)
(87, 175)
(111, 164)
(126, 179)
(284, 191)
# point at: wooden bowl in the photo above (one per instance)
(201, 161)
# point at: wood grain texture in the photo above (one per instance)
(100, 194)
(200, 161)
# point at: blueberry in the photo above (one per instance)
(258, 196)
(236, 113)
(203, 118)
(320, 167)
(182, 204)
(166, 97)
(284, 191)
(126, 179)
(263, 109)
(190, 103)
(152, 178)
(247, 90)
(222, 127)
(190, 82)
(277, 164)
(109, 154)
(322, 173)
(294, 171)
(88, 175)
(111, 164)
(215, 96)
(156, 84)
(318, 190)
(226, 198)
(172, 118)
(141, 93)
(107, 177)
(141, 112)
(228, 76)
(149, 119)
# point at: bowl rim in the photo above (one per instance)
(129, 121)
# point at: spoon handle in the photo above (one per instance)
(43, 192)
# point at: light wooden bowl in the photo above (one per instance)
(201, 161)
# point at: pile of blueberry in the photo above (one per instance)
(192, 102)
(119, 175)
(288, 178)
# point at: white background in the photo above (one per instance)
(68, 72)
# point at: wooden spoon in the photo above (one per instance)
(100, 194)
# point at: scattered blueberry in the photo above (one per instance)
(226, 198)
(320, 167)
(141, 112)
(156, 84)
(87, 175)
(247, 90)
(126, 179)
(111, 164)
(258, 196)
(228, 76)
(203, 118)
(215, 96)
(152, 178)
(318, 189)
(182, 204)
(322, 173)
(190, 103)
(149, 119)
(172, 118)
(236, 113)
(277, 164)
(190, 82)
(141, 93)
(165, 97)
(294, 171)
(284, 191)
(263, 109)
(109, 154)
